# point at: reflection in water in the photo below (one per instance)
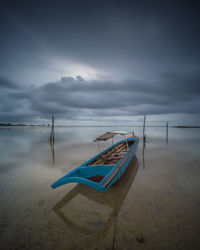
(51, 140)
(51, 143)
(143, 149)
(99, 149)
(112, 200)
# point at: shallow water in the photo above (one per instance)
(156, 205)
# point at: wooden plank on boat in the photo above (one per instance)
(115, 171)
(103, 158)
(121, 148)
(114, 158)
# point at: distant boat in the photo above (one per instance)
(103, 170)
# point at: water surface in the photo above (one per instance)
(156, 205)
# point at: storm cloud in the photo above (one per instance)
(86, 60)
(73, 98)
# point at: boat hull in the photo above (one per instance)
(101, 176)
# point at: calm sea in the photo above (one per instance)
(155, 205)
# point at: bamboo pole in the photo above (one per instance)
(52, 130)
(144, 136)
(166, 132)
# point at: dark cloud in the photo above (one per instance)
(74, 98)
(144, 57)
(124, 39)
(5, 83)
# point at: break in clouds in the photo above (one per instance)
(79, 99)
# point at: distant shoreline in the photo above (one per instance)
(186, 126)
(21, 125)
(48, 125)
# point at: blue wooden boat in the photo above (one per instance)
(103, 170)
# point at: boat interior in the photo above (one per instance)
(112, 156)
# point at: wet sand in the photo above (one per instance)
(154, 206)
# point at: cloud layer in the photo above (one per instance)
(77, 98)
(143, 55)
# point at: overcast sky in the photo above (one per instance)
(99, 62)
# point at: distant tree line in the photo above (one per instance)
(20, 124)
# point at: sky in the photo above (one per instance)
(100, 62)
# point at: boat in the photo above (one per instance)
(103, 170)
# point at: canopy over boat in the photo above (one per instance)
(109, 135)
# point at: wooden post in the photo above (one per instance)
(52, 130)
(166, 132)
(52, 126)
(52, 121)
(144, 136)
